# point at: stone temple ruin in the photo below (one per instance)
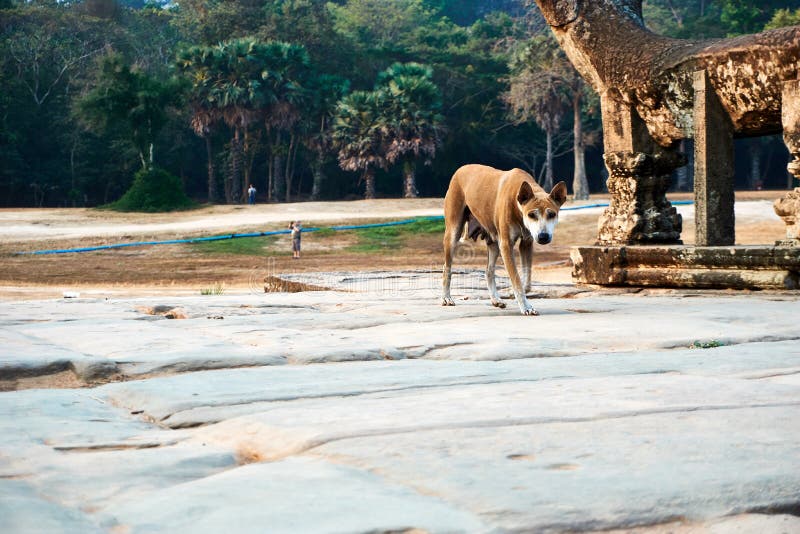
(656, 91)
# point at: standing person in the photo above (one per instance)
(251, 195)
(297, 228)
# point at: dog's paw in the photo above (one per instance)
(528, 310)
(497, 303)
(448, 301)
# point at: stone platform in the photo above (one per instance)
(729, 267)
(370, 407)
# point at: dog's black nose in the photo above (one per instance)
(543, 238)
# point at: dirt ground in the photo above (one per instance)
(188, 269)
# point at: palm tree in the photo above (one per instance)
(324, 93)
(237, 93)
(415, 124)
(359, 135)
(286, 68)
(226, 81)
(196, 63)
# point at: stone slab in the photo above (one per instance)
(739, 267)
(620, 472)
(109, 339)
(196, 399)
(296, 495)
(23, 510)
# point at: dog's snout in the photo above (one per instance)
(543, 238)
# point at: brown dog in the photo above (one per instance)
(501, 207)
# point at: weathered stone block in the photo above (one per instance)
(752, 267)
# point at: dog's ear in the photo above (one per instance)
(559, 193)
(525, 193)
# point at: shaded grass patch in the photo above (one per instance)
(325, 232)
(384, 239)
(245, 246)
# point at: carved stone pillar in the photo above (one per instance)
(713, 167)
(639, 212)
(788, 207)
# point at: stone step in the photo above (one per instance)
(734, 267)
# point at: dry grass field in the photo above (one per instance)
(241, 263)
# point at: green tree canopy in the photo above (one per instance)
(132, 100)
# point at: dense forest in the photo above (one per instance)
(310, 99)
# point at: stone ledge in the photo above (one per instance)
(734, 267)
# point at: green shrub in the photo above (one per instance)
(154, 190)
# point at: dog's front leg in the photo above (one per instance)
(494, 253)
(507, 251)
(526, 255)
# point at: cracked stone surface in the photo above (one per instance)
(374, 409)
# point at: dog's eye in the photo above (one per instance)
(551, 214)
(534, 215)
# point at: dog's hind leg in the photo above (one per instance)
(526, 257)
(449, 249)
(452, 234)
(494, 253)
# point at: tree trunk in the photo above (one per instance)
(270, 164)
(278, 180)
(319, 177)
(232, 192)
(293, 169)
(369, 183)
(72, 169)
(410, 179)
(248, 164)
(580, 184)
(755, 164)
(548, 172)
(299, 187)
(289, 171)
(682, 173)
(212, 181)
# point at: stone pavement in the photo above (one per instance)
(373, 409)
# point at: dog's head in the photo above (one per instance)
(540, 212)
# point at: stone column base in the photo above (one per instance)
(639, 212)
